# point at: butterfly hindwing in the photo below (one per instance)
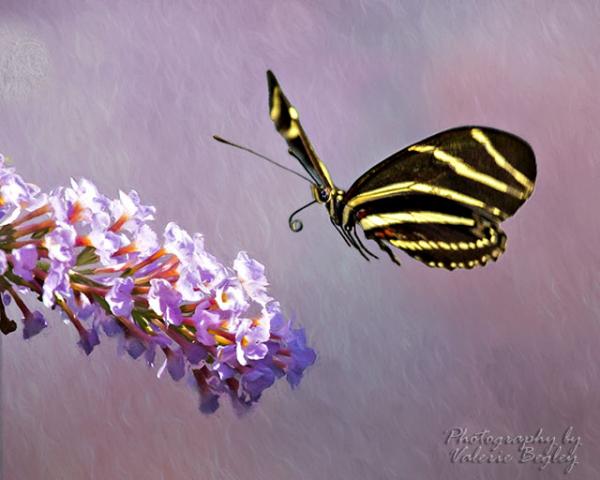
(442, 199)
(444, 246)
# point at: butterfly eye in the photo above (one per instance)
(323, 195)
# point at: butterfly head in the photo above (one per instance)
(330, 197)
(321, 194)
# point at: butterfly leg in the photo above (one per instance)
(341, 232)
(359, 242)
(387, 250)
(347, 233)
(350, 233)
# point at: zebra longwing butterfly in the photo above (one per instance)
(440, 200)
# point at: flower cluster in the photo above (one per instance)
(99, 262)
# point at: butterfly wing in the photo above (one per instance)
(286, 120)
(441, 200)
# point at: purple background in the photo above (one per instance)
(128, 94)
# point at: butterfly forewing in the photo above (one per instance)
(441, 200)
(287, 122)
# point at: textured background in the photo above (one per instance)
(128, 94)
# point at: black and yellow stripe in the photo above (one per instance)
(287, 122)
(442, 199)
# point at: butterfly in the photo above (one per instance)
(440, 200)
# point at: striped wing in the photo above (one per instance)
(286, 120)
(442, 199)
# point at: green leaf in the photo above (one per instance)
(102, 302)
(42, 265)
(40, 233)
(87, 256)
(142, 322)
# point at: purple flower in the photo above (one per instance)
(146, 241)
(130, 210)
(88, 197)
(34, 324)
(165, 301)
(60, 243)
(230, 296)
(212, 272)
(252, 277)
(88, 340)
(302, 356)
(79, 203)
(62, 206)
(250, 340)
(178, 242)
(226, 356)
(109, 324)
(159, 340)
(209, 387)
(135, 347)
(119, 297)
(100, 251)
(278, 324)
(83, 308)
(197, 266)
(209, 402)
(99, 221)
(150, 355)
(105, 243)
(25, 261)
(206, 323)
(15, 193)
(224, 369)
(190, 284)
(194, 352)
(175, 364)
(199, 271)
(57, 281)
(256, 380)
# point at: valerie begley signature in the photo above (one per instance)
(541, 449)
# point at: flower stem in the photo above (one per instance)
(36, 227)
(33, 214)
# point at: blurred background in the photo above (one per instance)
(128, 95)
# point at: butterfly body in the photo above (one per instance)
(440, 200)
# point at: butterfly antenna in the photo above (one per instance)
(295, 224)
(227, 142)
